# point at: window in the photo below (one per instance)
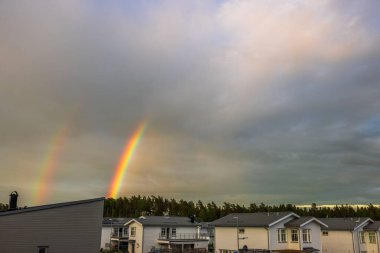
(125, 232)
(372, 237)
(163, 232)
(281, 235)
(241, 230)
(133, 231)
(115, 231)
(294, 235)
(362, 237)
(42, 249)
(306, 235)
(174, 232)
(325, 233)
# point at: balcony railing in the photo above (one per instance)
(119, 235)
(183, 236)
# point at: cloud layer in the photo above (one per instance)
(247, 101)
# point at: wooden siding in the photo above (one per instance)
(69, 229)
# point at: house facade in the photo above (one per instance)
(179, 234)
(274, 231)
(350, 235)
(114, 234)
(73, 227)
(370, 238)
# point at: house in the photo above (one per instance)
(153, 233)
(73, 227)
(370, 238)
(267, 231)
(348, 235)
(114, 234)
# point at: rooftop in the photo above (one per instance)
(345, 223)
(51, 206)
(166, 220)
(263, 219)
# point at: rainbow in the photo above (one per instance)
(125, 160)
(49, 164)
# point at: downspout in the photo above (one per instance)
(300, 238)
(377, 241)
(268, 237)
(353, 242)
(142, 240)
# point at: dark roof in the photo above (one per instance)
(115, 222)
(296, 223)
(51, 206)
(166, 220)
(264, 219)
(373, 226)
(343, 223)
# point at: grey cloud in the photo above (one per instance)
(236, 109)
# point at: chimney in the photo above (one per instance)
(192, 218)
(13, 200)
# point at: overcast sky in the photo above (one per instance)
(245, 101)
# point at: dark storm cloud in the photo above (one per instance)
(245, 100)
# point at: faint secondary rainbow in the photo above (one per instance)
(48, 167)
(125, 160)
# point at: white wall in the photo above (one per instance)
(273, 235)
(316, 241)
(150, 238)
(226, 238)
(106, 235)
(337, 242)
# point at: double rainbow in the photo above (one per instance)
(125, 160)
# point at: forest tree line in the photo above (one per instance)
(136, 206)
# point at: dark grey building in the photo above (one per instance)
(70, 227)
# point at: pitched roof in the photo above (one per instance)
(302, 221)
(344, 223)
(264, 219)
(373, 226)
(51, 206)
(165, 221)
(114, 222)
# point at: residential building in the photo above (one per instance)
(370, 238)
(347, 235)
(179, 234)
(267, 231)
(73, 227)
(114, 234)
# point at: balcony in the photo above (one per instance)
(183, 237)
(119, 235)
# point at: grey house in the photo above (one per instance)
(71, 227)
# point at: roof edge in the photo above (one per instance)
(50, 206)
(283, 218)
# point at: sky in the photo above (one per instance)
(243, 100)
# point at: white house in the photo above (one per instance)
(348, 235)
(180, 234)
(114, 234)
(269, 231)
(370, 238)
